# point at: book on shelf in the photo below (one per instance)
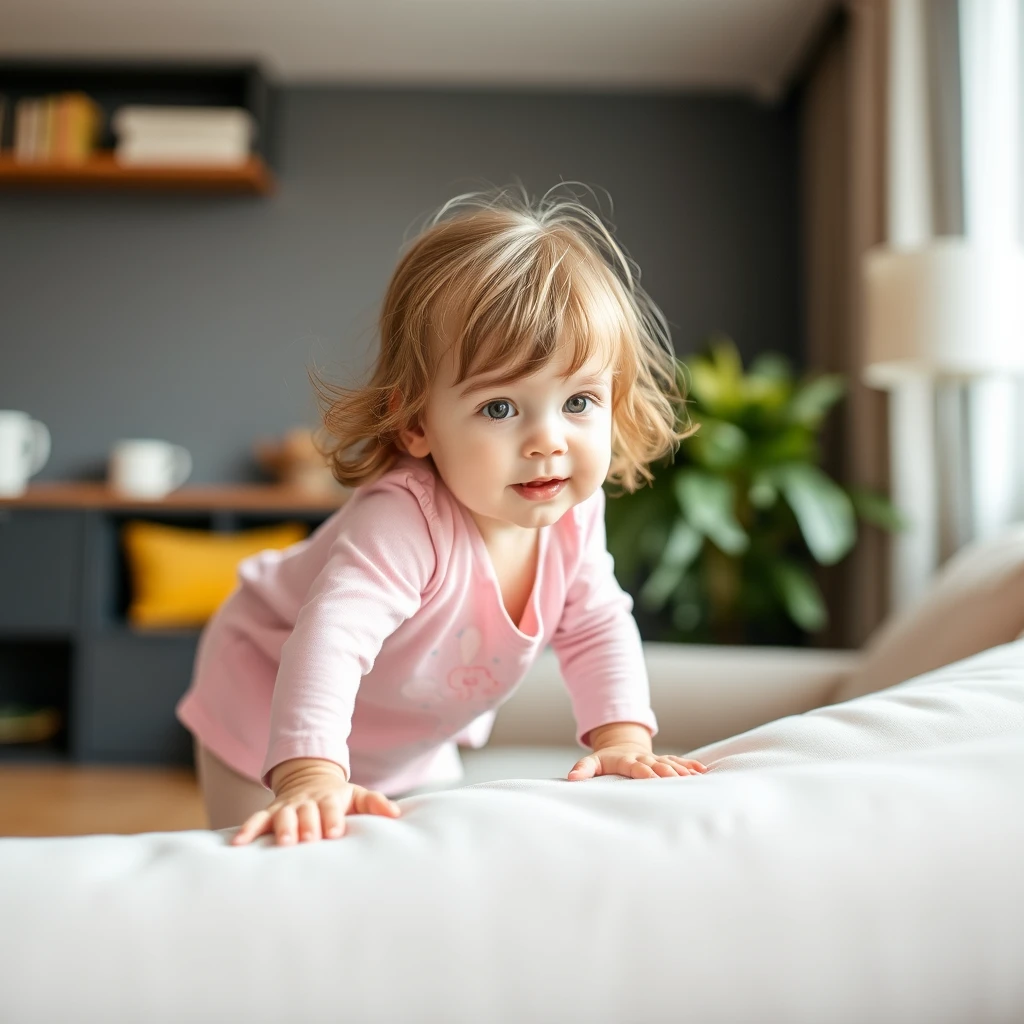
(140, 152)
(183, 135)
(136, 120)
(67, 128)
(63, 127)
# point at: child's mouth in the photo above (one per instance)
(540, 490)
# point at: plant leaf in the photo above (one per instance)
(878, 510)
(800, 595)
(822, 509)
(717, 445)
(659, 585)
(771, 366)
(791, 444)
(726, 358)
(814, 398)
(764, 396)
(683, 546)
(708, 502)
(715, 378)
(686, 616)
(630, 522)
(709, 393)
(768, 385)
(763, 493)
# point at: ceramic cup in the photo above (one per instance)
(24, 449)
(148, 468)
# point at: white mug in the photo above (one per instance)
(148, 469)
(24, 449)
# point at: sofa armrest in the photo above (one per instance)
(700, 694)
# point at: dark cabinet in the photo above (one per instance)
(40, 552)
(129, 683)
(66, 644)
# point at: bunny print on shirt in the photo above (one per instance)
(466, 682)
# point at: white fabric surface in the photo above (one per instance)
(700, 693)
(859, 862)
(975, 602)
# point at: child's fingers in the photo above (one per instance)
(253, 827)
(333, 817)
(285, 822)
(308, 814)
(370, 801)
(311, 820)
(585, 768)
(686, 762)
(639, 770)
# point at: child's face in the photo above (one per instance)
(491, 443)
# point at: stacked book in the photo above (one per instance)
(183, 135)
(64, 127)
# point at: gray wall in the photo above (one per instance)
(194, 318)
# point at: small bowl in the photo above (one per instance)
(20, 723)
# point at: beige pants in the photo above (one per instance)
(230, 798)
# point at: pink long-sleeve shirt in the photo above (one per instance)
(381, 641)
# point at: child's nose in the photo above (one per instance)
(546, 438)
(545, 444)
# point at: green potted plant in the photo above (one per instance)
(722, 546)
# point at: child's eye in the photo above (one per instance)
(578, 403)
(499, 410)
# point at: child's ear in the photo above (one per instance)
(414, 441)
(412, 438)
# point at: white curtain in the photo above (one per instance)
(990, 64)
(910, 130)
(953, 168)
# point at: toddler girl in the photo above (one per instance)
(521, 366)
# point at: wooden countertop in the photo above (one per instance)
(241, 497)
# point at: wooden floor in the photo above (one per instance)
(45, 800)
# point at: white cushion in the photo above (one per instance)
(976, 602)
(860, 862)
(699, 693)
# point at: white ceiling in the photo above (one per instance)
(734, 45)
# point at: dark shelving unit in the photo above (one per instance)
(65, 641)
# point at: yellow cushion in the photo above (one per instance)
(180, 577)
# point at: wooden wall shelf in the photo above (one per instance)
(118, 82)
(239, 497)
(104, 171)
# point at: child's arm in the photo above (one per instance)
(601, 656)
(303, 765)
(378, 567)
(616, 733)
(597, 641)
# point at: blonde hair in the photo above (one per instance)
(527, 279)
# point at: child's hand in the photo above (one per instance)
(312, 805)
(635, 762)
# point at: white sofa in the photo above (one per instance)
(700, 694)
(850, 856)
